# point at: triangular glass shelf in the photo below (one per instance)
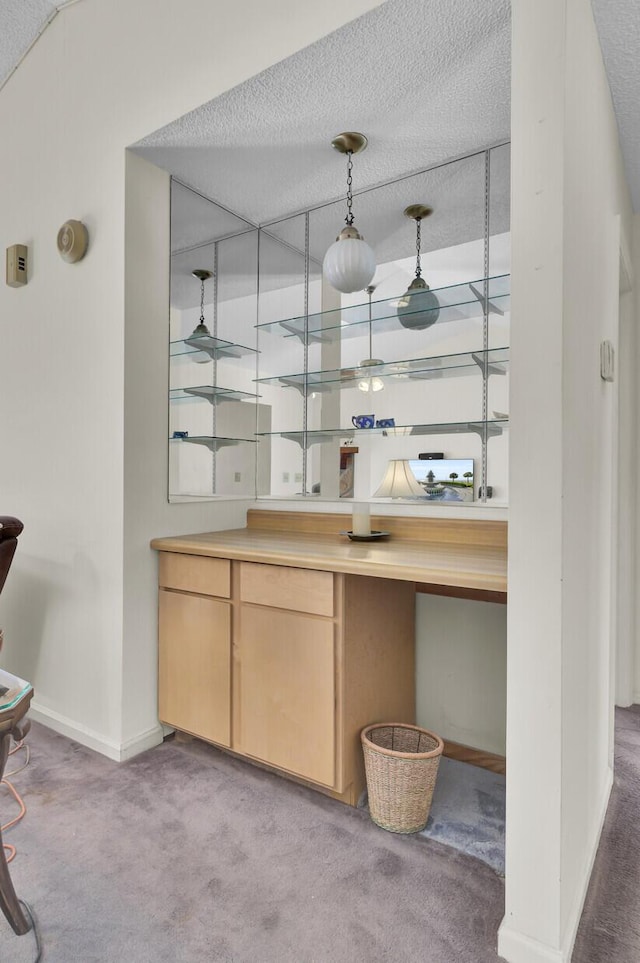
(457, 302)
(210, 393)
(213, 443)
(441, 366)
(492, 428)
(216, 348)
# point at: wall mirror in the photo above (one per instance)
(214, 411)
(274, 400)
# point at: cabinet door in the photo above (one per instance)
(195, 665)
(286, 692)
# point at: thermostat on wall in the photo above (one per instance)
(72, 241)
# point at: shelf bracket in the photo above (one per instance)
(492, 367)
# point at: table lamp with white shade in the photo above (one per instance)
(399, 481)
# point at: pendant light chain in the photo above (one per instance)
(201, 300)
(349, 217)
(349, 263)
(418, 265)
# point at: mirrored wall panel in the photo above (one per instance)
(214, 410)
(292, 389)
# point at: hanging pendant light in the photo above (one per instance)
(369, 381)
(349, 263)
(201, 330)
(418, 308)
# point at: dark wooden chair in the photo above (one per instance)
(12, 724)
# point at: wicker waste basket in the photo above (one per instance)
(401, 763)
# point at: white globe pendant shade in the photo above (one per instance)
(349, 263)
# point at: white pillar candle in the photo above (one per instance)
(361, 523)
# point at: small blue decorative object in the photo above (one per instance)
(181, 434)
(386, 423)
(364, 421)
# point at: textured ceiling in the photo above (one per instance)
(425, 80)
(21, 21)
(618, 23)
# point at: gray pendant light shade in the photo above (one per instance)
(201, 331)
(418, 308)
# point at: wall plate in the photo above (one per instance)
(16, 276)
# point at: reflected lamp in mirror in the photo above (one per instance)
(201, 330)
(418, 308)
(399, 481)
(349, 263)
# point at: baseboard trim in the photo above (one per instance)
(475, 757)
(515, 947)
(119, 752)
(144, 740)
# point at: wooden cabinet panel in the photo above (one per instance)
(313, 658)
(195, 573)
(287, 588)
(285, 711)
(194, 691)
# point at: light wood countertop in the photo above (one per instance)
(445, 562)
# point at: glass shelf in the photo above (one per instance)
(214, 443)
(210, 393)
(457, 302)
(216, 348)
(441, 366)
(317, 436)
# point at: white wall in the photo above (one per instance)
(567, 190)
(635, 658)
(87, 448)
(626, 608)
(461, 667)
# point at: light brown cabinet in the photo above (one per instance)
(194, 669)
(290, 668)
(285, 710)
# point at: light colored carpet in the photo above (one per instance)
(185, 855)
